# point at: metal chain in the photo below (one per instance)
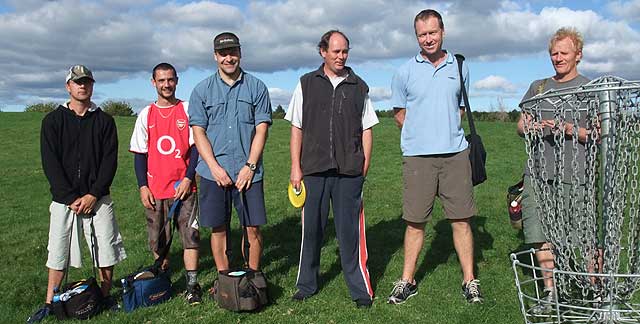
(582, 208)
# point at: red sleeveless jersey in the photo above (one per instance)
(168, 155)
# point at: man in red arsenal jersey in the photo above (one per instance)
(165, 160)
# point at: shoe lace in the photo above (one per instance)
(399, 287)
(549, 295)
(473, 287)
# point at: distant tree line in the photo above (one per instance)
(111, 107)
(41, 107)
(501, 116)
(123, 108)
(278, 113)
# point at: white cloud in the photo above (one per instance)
(203, 14)
(41, 39)
(379, 93)
(629, 10)
(279, 97)
(495, 83)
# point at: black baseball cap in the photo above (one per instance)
(225, 40)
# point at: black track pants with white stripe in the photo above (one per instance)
(344, 193)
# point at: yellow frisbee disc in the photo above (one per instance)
(297, 197)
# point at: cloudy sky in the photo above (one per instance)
(504, 41)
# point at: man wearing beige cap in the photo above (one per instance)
(79, 148)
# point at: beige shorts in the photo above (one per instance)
(65, 227)
(447, 176)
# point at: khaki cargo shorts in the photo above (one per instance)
(447, 176)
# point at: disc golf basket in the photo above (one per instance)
(588, 196)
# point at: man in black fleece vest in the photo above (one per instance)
(331, 139)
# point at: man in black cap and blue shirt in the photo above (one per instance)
(230, 114)
(79, 147)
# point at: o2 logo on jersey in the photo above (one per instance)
(172, 146)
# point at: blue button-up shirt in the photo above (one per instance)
(432, 98)
(230, 114)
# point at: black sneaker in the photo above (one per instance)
(402, 290)
(546, 304)
(40, 314)
(471, 291)
(364, 303)
(300, 296)
(193, 294)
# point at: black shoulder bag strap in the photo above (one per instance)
(465, 97)
(171, 221)
(94, 256)
(245, 235)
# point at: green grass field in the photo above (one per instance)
(24, 222)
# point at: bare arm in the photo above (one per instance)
(296, 152)
(526, 118)
(521, 125)
(398, 115)
(367, 145)
(245, 175)
(569, 128)
(206, 152)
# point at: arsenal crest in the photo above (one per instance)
(181, 123)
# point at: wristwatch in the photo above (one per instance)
(251, 166)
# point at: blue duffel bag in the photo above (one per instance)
(151, 286)
(146, 288)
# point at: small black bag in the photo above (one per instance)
(80, 299)
(241, 289)
(477, 153)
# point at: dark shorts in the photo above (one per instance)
(447, 176)
(187, 223)
(215, 204)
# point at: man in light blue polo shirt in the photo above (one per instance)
(426, 99)
(230, 113)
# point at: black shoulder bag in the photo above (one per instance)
(240, 289)
(79, 299)
(477, 153)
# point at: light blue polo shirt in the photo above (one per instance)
(432, 98)
(229, 114)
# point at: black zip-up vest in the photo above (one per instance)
(332, 123)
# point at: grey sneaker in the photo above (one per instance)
(546, 304)
(402, 290)
(471, 291)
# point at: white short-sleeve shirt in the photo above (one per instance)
(294, 111)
